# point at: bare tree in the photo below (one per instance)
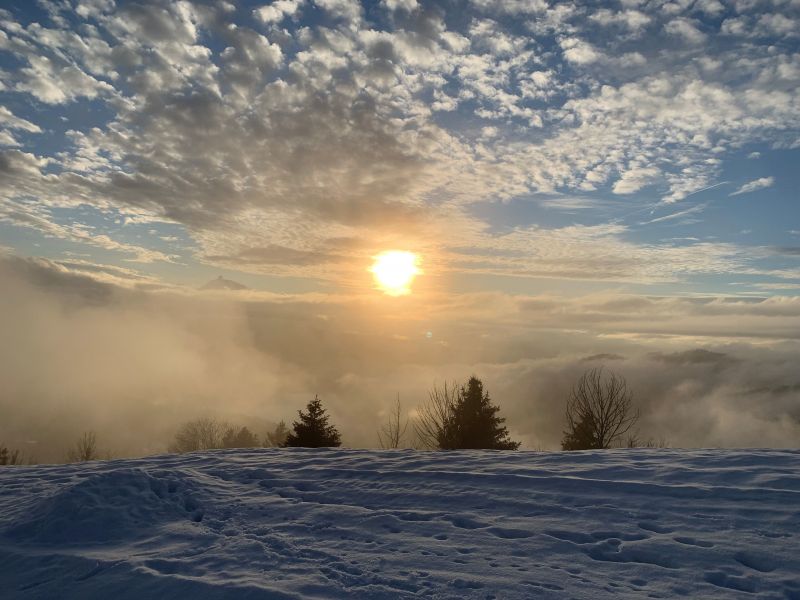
(599, 411)
(200, 434)
(9, 456)
(634, 441)
(391, 433)
(85, 449)
(433, 416)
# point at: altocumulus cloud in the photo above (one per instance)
(307, 122)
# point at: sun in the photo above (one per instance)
(394, 270)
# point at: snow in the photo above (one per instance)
(301, 523)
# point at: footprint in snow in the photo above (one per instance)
(690, 541)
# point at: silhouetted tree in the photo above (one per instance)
(474, 422)
(313, 430)
(277, 437)
(599, 411)
(9, 456)
(391, 433)
(580, 436)
(200, 434)
(433, 416)
(85, 449)
(634, 441)
(462, 417)
(239, 438)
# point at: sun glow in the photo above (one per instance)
(394, 271)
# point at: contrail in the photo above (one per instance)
(652, 207)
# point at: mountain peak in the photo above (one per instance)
(220, 283)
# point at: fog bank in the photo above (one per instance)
(133, 361)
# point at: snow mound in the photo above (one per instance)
(104, 507)
(332, 523)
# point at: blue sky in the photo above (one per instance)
(524, 147)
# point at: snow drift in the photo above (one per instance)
(403, 524)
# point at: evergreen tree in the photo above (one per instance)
(473, 422)
(313, 430)
(239, 438)
(277, 438)
(581, 436)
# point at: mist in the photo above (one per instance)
(133, 361)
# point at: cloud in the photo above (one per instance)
(34, 217)
(685, 29)
(132, 362)
(580, 52)
(275, 255)
(293, 124)
(278, 10)
(8, 119)
(633, 20)
(54, 83)
(788, 250)
(693, 357)
(404, 5)
(634, 179)
(755, 185)
(602, 357)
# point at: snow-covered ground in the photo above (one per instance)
(402, 524)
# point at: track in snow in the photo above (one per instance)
(403, 524)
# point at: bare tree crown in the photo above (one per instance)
(599, 411)
(433, 416)
(392, 432)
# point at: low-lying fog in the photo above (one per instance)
(132, 363)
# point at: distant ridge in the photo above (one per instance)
(220, 283)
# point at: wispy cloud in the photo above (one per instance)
(677, 215)
(755, 185)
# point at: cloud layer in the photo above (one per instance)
(79, 353)
(298, 137)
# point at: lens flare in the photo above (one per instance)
(394, 270)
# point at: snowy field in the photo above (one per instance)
(403, 524)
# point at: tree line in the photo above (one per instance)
(599, 413)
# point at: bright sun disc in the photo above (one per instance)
(394, 271)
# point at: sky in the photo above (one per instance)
(614, 180)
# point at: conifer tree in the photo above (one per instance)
(473, 422)
(313, 430)
(277, 437)
(239, 438)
